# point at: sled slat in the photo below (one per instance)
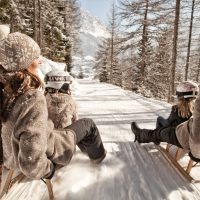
(178, 154)
(167, 147)
(190, 165)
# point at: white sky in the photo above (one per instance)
(98, 8)
(130, 171)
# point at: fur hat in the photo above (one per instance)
(18, 51)
(56, 79)
(4, 31)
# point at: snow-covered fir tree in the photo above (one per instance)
(53, 24)
(142, 21)
(108, 64)
(102, 66)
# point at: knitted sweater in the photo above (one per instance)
(30, 142)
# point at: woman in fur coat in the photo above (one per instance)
(31, 144)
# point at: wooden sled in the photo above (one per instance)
(11, 181)
(173, 160)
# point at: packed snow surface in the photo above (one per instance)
(130, 171)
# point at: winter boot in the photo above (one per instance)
(143, 135)
(136, 130)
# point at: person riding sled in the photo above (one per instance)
(61, 106)
(183, 109)
(31, 144)
(186, 135)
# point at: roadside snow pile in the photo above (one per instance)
(49, 65)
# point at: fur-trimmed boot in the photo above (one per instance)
(143, 135)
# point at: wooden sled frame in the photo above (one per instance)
(174, 162)
(11, 181)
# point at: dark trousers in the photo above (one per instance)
(165, 134)
(88, 138)
(161, 122)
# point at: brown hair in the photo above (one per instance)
(16, 84)
(24, 80)
(185, 107)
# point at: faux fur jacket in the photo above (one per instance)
(30, 142)
(62, 109)
(188, 133)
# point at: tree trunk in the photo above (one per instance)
(198, 71)
(40, 23)
(112, 44)
(35, 35)
(144, 41)
(174, 50)
(189, 41)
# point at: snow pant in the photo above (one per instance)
(161, 122)
(165, 134)
(88, 138)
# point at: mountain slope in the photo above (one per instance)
(91, 33)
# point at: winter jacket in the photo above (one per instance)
(30, 142)
(174, 119)
(188, 133)
(62, 109)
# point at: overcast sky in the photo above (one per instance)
(98, 8)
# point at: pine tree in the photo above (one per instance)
(43, 21)
(115, 69)
(102, 66)
(174, 52)
(4, 10)
(189, 40)
(159, 74)
(142, 19)
(70, 13)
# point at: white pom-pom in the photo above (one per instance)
(4, 31)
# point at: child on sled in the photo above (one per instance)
(186, 135)
(61, 106)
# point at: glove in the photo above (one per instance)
(194, 158)
(52, 173)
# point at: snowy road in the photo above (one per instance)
(133, 172)
(130, 171)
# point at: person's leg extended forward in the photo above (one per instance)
(165, 134)
(88, 138)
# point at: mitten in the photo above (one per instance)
(52, 173)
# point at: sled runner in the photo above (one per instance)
(10, 181)
(174, 161)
